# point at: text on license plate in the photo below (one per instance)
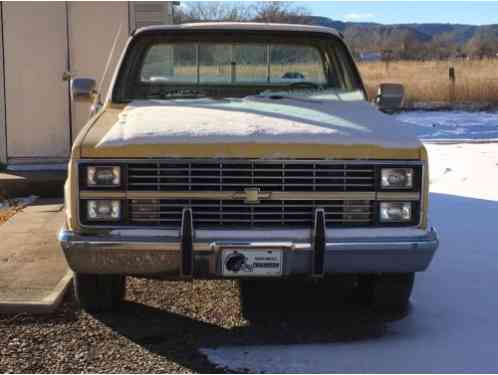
(239, 262)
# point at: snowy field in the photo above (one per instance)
(453, 324)
(455, 125)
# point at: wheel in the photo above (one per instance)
(98, 293)
(387, 292)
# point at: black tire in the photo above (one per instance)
(99, 293)
(387, 292)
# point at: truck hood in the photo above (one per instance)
(260, 126)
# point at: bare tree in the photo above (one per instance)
(279, 11)
(483, 44)
(260, 11)
(197, 11)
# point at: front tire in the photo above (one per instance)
(387, 292)
(99, 293)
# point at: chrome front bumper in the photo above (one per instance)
(165, 253)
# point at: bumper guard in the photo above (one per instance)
(189, 253)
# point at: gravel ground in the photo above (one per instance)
(162, 325)
(6, 214)
(9, 207)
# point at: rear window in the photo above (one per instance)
(223, 63)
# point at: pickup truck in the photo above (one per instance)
(244, 151)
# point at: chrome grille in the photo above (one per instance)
(235, 213)
(237, 175)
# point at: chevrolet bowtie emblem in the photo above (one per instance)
(252, 195)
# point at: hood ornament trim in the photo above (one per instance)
(252, 195)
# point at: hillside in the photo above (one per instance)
(439, 37)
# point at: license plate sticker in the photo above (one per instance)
(246, 263)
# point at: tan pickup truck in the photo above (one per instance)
(248, 151)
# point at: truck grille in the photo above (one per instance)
(235, 213)
(237, 175)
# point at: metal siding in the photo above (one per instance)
(35, 58)
(146, 13)
(92, 29)
(3, 130)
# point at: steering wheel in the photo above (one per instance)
(304, 85)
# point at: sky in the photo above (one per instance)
(388, 12)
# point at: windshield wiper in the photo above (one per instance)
(179, 94)
(301, 89)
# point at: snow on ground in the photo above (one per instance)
(453, 326)
(452, 125)
(469, 170)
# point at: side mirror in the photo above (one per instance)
(83, 89)
(390, 97)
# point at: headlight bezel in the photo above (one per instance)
(86, 220)
(406, 173)
(83, 176)
(414, 209)
(93, 170)
(416, 178)
(114, 206)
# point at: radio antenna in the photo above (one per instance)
(108, 62)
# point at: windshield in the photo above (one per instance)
(171, 67)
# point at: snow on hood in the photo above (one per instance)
(257, 119)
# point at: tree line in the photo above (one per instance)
(404, 45)
(260, 11)
(392, 41)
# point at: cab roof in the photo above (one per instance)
(242, 26)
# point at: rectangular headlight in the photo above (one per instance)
(396, 178)
(109, 176)
(395, 212)
(104, 210)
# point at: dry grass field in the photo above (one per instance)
(428, 81)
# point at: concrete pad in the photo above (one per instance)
(33, 271)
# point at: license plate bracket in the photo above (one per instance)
(240, 262)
